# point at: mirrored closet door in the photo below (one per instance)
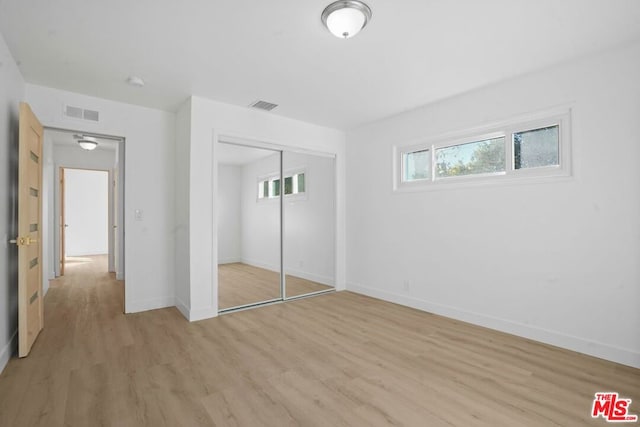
(276, 213)
(308, 223)
(249, 233)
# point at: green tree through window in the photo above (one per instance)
(471, 158)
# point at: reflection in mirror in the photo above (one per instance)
(248, 225)
(309, 223)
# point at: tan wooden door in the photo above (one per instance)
(62, 224)
(30, 308)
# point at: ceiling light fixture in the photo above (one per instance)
(346, 18)
(87, 142)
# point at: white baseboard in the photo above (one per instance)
(195, 315)
(151, 304)
(202, 314)
(119, 275)
(260, 264)
(182, 308)
(604, 351)
(325, 280)
(8, 350)
(229, 260)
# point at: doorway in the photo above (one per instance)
(84, 218)
(66, 159)
(276, 217)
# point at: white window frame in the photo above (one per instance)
(561, 118)
(412, 149)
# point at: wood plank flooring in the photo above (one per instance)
(339, 359)
(240, 284)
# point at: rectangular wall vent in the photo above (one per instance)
(263, 105)
(73, 112)
(81, 113)
(92, 115)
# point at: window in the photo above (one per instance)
(537, 147)
(471, 158)
(416, 165)
(275, 190)
(288, 185)
(269, 188)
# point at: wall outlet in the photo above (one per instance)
(138, 215)
(406, 285)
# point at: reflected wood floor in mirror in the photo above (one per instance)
(339, 359)
(240, 284)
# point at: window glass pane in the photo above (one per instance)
(265, 188)
(261, 190)
(300, 183)
(416, 165)
(276, 188)
(288, 185)
(536, 148)
(471, 158)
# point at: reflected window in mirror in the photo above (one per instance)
(270, 187)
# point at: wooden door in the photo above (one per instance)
(30, 307)
(61, 223)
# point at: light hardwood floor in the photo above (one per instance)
(240, 284)
(339, 359)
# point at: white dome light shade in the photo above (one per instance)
(88, 143)
(345, 19)
(345, 22)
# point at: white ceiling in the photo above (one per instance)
(412, 53)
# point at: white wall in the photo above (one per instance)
(182, 247)
(149, 245)
(556, 262)
(228, 204)
(86, 212)
(12, 88)
(209, 120)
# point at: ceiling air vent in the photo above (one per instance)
(263, 105)
(73, 112)
(92, 115)
(81, 113)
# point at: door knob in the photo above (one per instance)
(23, 241)
(66, 225)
